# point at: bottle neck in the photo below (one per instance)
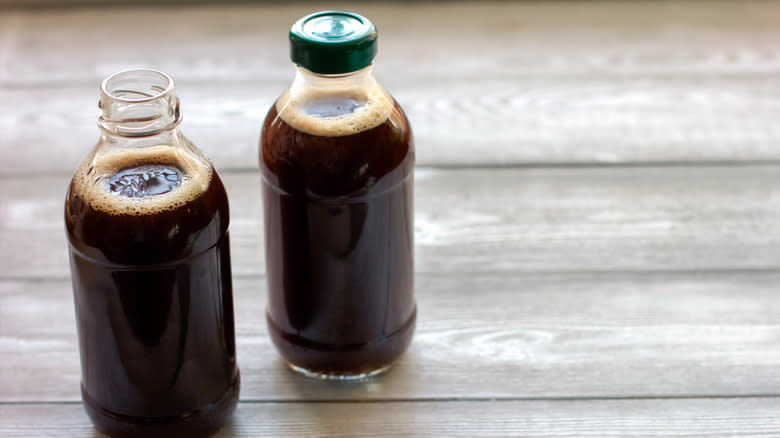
(322, 96)
(138, 103)
(362, 79)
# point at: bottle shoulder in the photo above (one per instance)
(300, 162)
(113, 227)
(334, 105)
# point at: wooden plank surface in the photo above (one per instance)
(535, 82)
(593, 118)
(496, 220)
(597, 211)
(485, 336)
(741, 417)
(249, 42)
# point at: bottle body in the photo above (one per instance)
(337, 166)
(147, 223)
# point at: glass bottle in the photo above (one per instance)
(147, 223)
(337, 159)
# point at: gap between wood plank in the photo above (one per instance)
(281, 84)
(447, 399)
(531, 273)
(595, 165)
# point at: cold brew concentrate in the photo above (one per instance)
(337, 158)
(147, 221)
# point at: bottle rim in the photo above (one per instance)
(138, 103)
(160, 85)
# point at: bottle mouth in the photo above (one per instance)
(138, 103)
(137, 86)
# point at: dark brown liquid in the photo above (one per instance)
(338, 227)
(154, 311)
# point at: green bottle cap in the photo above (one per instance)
(333, 42)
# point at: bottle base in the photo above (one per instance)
(199, 423)
(344, 362)
(343, 377)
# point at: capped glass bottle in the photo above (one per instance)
(337, 158)
(147, 223)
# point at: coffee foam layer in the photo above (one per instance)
(376, 109)
(90, 183)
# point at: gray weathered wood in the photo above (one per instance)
(589, 118)
(249, 42)
(555, 298)
(479, 336)
(497, 220)
(534, 82)
(744, 417)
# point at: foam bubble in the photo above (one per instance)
(376, 109)
(88, 181)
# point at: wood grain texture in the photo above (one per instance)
(249, 42)
(479, 336)
(558, 295)
(584, 119)
(535, 82)
(745, 418)
(497, 220)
